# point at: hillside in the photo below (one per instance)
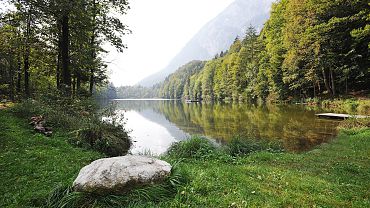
(217, 35)
(305, 50)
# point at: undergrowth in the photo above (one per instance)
(202, 148)
(83, 119)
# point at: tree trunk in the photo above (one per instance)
(11, 76)
(59, 54)
(93, 54)
(26, 58)
(58, 70)
(332, 82)
(19, 73)
(74, 86)
(326, 82)
(26, 74)
(78, 82)
(66, 80)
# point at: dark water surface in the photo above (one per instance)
(155, 124)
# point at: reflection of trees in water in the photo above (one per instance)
(297, 128)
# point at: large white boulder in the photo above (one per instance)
(118, 175)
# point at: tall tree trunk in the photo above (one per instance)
(26, 58)
(326, 82)
(58, 70)
(91, 87)
(78, 82)
(66, 80)
(11, 76)
(59, 55)
(332, 82)
(74, 86)
(93, 53)
(19, 73)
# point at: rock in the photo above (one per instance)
(117, 175)
(48, 133)
(38, 122)
(39, 128)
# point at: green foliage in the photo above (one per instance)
(240, 146)
(105, 137)
(306, 49)
(352, 123)
(196, 147)
(352, 106)
(47, 45)
(178, 84)
(81, 118)
(201, 148)
(135, 92)
(41, 162)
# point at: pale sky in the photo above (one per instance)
(160, 29)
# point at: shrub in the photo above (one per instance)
(58, 114)
(195, 147)
(100, 130)
(364, 107)
(240, 146)
(350, 106)
(353, 123)
(104, 137)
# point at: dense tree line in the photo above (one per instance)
(181, 83)
(135, 92)
(57, 44)
(307, 48)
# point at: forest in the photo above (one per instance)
(307, 49)
(57, 45)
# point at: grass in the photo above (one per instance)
(83, 119)
(31, 165)
(333, 175)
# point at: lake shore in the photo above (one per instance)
(334, 175)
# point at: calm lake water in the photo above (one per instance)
(156, 124)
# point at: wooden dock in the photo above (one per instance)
(339, 116)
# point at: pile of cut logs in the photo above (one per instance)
(38, 123)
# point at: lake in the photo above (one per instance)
(156, 124)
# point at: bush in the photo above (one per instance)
(353, 123)
(350, 106)
(364, 107)
(240, 146)
(105, 137)
(61, 114)
(195, 147)
(102, 131)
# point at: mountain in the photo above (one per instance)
(217, 35)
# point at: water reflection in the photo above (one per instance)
(156, 124)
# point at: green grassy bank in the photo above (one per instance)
(31, 165)
(333, 175)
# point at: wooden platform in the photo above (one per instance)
(339, 116)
